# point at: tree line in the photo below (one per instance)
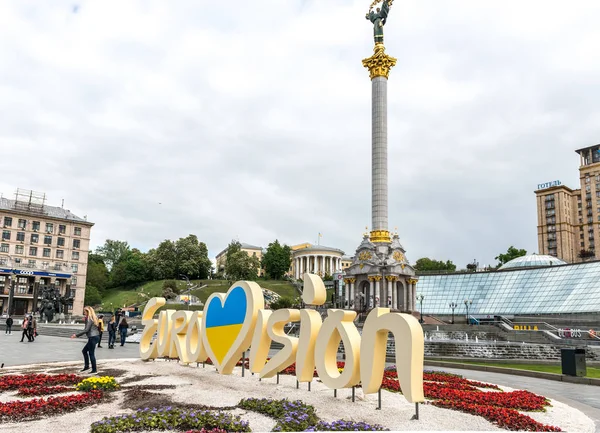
(427, 264)
(116, 264)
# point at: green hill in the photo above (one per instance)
(118, 297)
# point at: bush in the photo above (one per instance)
(282, 303)
(171, 284)
(92, 296)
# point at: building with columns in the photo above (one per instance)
(315, 259)
(380, 276)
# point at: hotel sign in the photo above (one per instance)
(548, 184)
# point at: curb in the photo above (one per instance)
(515, 372)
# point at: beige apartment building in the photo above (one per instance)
(41, 246)
(569, 219)
(251, 250)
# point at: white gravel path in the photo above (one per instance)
(205, 386)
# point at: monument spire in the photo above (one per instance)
(379, 65)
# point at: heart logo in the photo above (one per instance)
(228, 323)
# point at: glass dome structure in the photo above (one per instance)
(531, 261)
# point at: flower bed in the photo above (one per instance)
(19, 410)
(15, 381)
(44, 390)
(105, 383)
(295, 416)
(509, 419)
(455, 392)
(171, 419)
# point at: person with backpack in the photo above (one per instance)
(100, 329)
(9, 323)
(112, 332)
(123, 325)
(24, 327)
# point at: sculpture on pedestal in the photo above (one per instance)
(53, 303)
(379, 18)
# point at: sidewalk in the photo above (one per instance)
(53, 349)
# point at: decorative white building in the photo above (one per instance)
(315, 259)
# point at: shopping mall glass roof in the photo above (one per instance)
(544, 290)
(532, 261)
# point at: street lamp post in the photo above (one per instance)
(420, 299)
(468, 303)
(453, 305)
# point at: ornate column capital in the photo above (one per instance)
(379, 64)
(349, 280)
(412, 281)
(391, 277)
(374, 277)
(380, 236)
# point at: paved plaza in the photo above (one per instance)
(53, 349)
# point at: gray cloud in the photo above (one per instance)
(252, 119)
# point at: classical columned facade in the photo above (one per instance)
(316, 259)
(394, 291)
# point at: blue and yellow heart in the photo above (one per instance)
(224, 321)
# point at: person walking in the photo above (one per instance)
(9, 323)
(34, 333)
(92, 333)
(100, 329)
(123, 330)
(112, 332)
(30, 328)
(24, 326)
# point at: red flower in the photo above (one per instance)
(19, 410)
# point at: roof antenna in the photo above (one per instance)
(63, 203)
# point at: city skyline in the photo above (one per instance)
(158, 120)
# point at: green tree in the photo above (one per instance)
(171, 284)
(164, 260)
(129, 270)
(112, 251)
(282, 302)
(277, 260)
(95, 258)
(239, 265)
(92, 297)
(427, 264)
(511, 253)
(97, 275)
(191, 258)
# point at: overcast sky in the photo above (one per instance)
(251, 120)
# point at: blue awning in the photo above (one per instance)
(25, 273)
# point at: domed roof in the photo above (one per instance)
(531, 261)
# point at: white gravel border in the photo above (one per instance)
(205, 386)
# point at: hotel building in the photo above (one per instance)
(41, 246)
(569, 219)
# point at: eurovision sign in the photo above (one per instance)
(234, 322)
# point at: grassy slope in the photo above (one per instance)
(118, 297)
(592, 372)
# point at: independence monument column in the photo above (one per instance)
(380, 274)
(379, 65)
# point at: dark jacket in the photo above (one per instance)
(9, 321)
(90, 330)
(112, 327)
(123, 324)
